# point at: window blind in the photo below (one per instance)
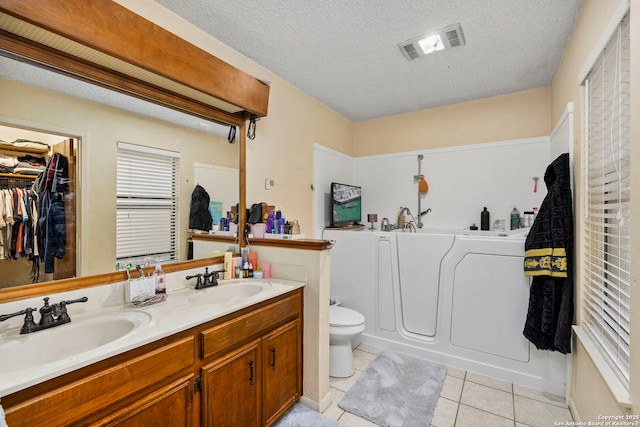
(606, 194)
(147, 204)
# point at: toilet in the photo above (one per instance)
(345, 325)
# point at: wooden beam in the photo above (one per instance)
(114, 30)
(28, 51)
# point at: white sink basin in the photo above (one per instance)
(85, 333)
(226, 293)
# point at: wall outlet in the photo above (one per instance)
(268, 183)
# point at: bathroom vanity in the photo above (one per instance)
(241, 368)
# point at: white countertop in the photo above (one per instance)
(177, 313)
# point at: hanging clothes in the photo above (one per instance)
(549, 260)
(51, 227)
(18, 216)
(199, 214)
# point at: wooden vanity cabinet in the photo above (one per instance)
(231, 389)
(259, 379)
(244, 369)
(281, 379)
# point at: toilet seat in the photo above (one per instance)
(342, 316)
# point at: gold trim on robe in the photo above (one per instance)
(545, 262)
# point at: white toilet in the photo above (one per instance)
(345, 325)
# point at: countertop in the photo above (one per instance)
(177, 313)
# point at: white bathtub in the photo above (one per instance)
(453, 296)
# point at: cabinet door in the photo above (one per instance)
(231, 389)
(169, 405)
(281, 356)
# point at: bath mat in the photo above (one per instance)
(396, 390)
(301, 416)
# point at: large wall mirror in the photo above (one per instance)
(52, 108)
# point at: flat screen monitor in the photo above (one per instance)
(346, 205)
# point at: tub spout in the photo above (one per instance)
(401, 218)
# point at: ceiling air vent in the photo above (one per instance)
(425, 44)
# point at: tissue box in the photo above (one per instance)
(139, 287)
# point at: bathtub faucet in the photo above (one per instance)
(402, 223)
(385, 225)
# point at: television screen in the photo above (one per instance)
(346, 204)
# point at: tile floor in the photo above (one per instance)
(467, 400)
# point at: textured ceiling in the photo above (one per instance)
(346, 55)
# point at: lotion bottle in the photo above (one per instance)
(228, 265)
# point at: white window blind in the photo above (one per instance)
(606, 245)
(147, 204)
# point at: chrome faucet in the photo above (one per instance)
(401, 222)
(50, 315)
(385, 225)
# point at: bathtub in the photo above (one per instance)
(458, 297)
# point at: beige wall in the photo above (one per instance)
(589, 393)
(517, 115)
(100, 127)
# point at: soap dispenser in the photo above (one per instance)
(484, 219)
(159, 275)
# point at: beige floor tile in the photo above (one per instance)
(336, 395)
(456, 372)
(350, 420)
(542, 396)
(362, 359)
(489, 381)
(472, 417)
(344, 384)
(521, 425)
(488, 399)
(333, 411)
(539, 414)
(445, 413)
(452, 388)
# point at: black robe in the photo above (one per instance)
(549, 260)
(200, 216)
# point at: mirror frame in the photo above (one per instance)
(210, 78)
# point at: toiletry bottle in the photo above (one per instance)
(270, 222)
(227, 265)
(515, 219)
(159, 274)
(484, 219)
(250, 274)
(245, 269)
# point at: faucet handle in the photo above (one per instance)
(60, 309)
(28, 325)
(198, 282)
(4, 317)
(72, 301)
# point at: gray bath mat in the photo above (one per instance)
(396, 390)
(301, 416)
